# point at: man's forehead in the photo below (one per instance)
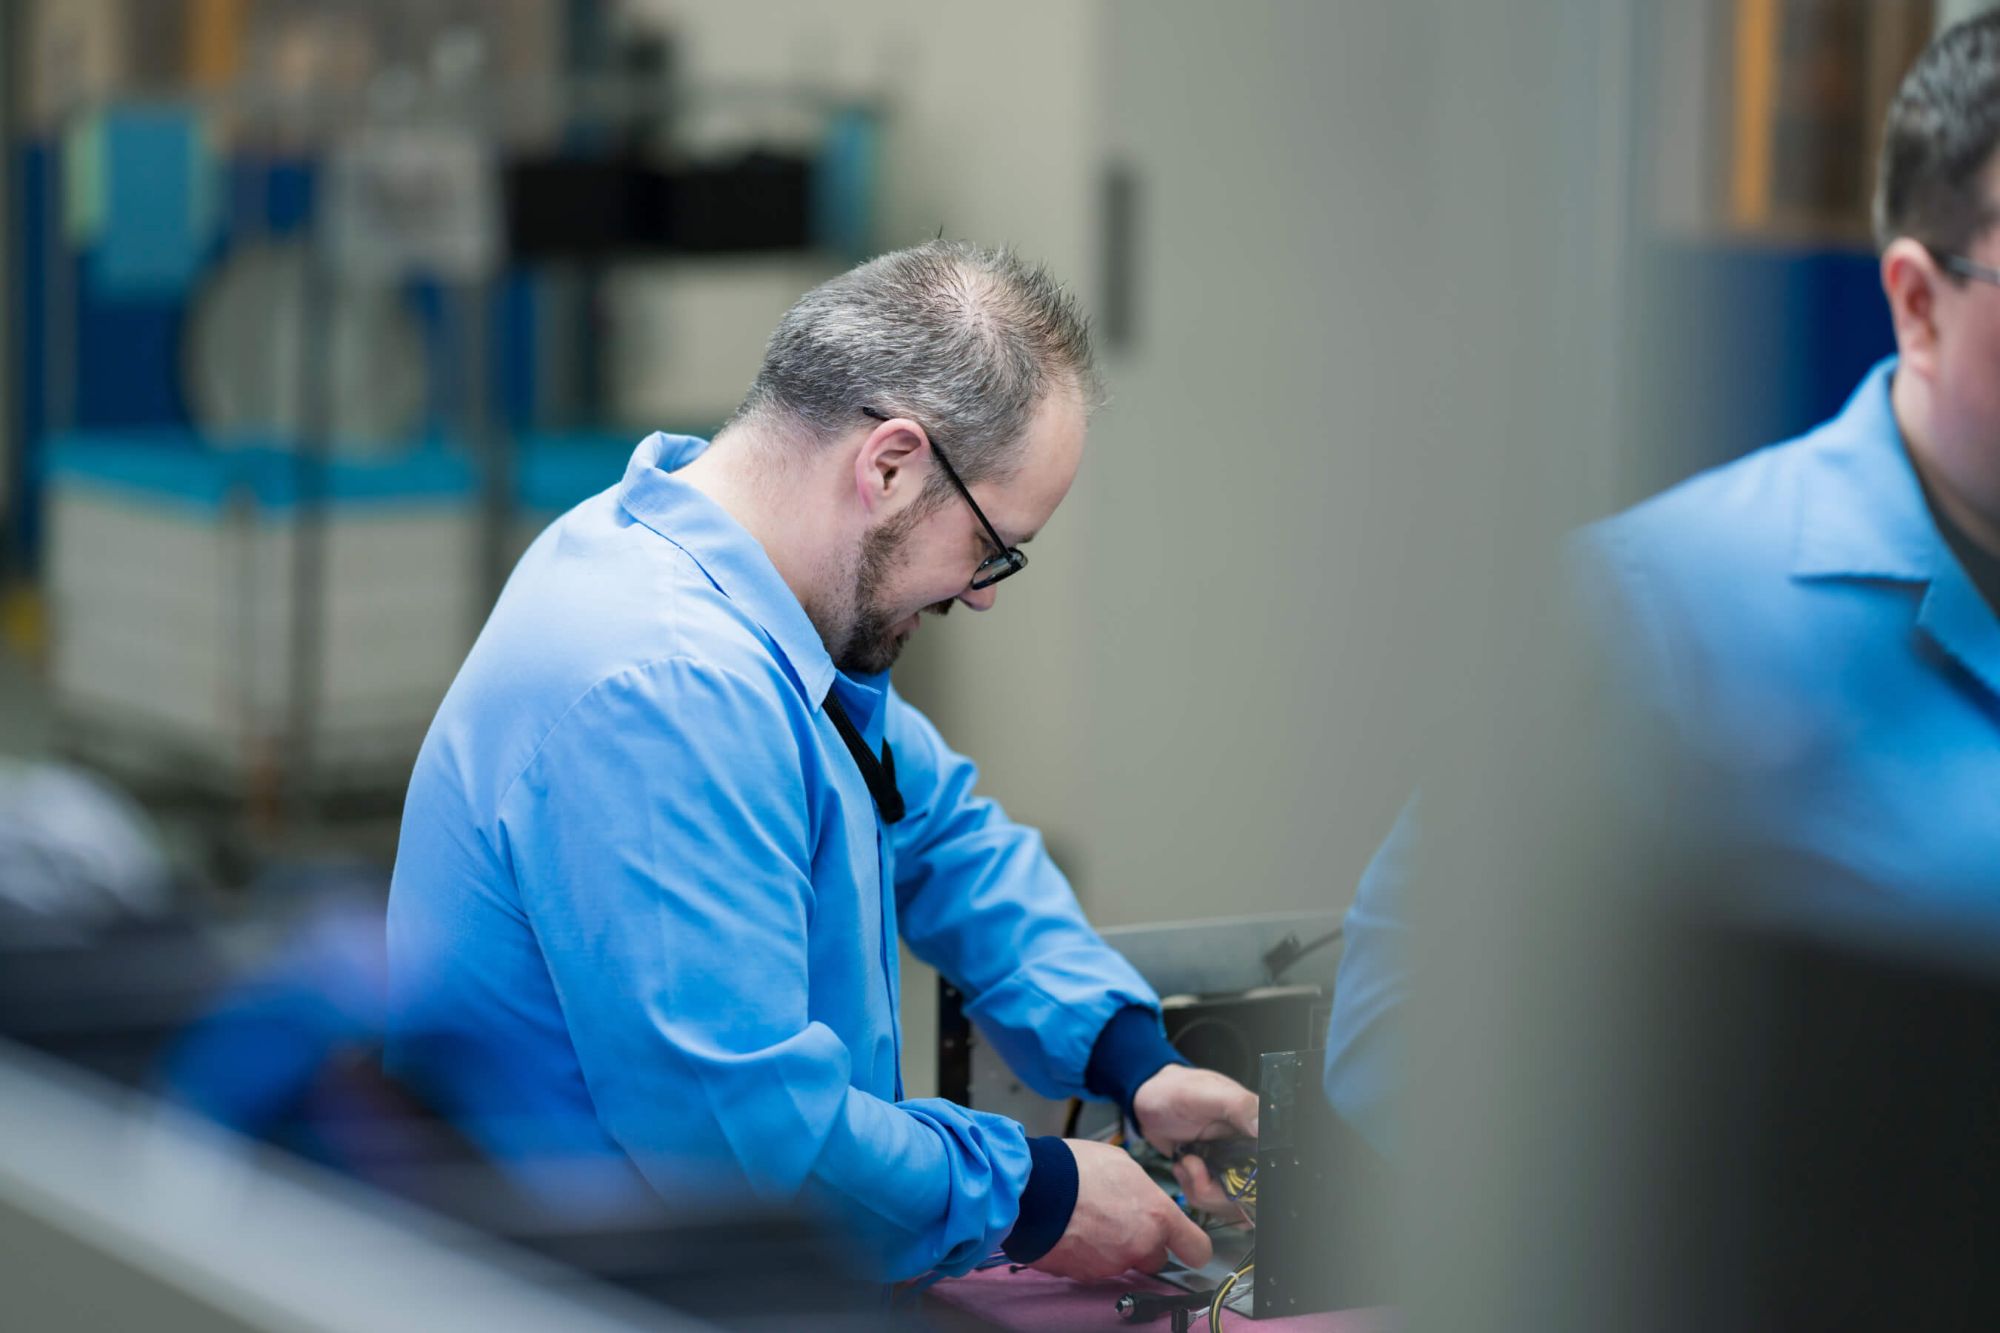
(1024, 501)
(1018, 518)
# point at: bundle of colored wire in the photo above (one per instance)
(1240, 1184)
(1222, 1292)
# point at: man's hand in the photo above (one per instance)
(1181, 1105)
(1178, 1106)
(1202, 1189)
(1122, 1220)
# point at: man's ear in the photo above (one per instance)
(1913, 282)
(883, 476)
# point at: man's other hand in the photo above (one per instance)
(1180, 1105)
(1122, 1220)
(1204, 1191)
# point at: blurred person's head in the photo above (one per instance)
(943, 350)
(1936, 208)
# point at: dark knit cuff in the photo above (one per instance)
(1130, 1050)
(1046, 1202)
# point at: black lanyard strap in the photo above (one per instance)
(879, 774)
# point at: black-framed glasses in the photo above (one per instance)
(1964, 267)
(1007, 560)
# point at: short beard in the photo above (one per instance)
(870, 644)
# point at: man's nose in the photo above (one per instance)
(979, 599)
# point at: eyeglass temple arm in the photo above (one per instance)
(1962, 266)
(951, 472)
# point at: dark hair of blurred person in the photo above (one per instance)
(1939, 139)
(1938, 201)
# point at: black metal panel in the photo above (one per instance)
(954, 1069)
(1323, 1202)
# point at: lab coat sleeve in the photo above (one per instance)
(978, 898)
(665, 871)
(1364, 1042)
(1617, 627)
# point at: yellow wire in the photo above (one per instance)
(1222, 1294)
(1240, 1184)
(1215, 1310)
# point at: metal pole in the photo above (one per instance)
(312, 450)
(488, 441)
(11, 467)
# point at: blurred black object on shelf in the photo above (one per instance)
(1325, 1199)
(759, 201)
(584, 208)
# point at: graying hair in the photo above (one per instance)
(965, 341)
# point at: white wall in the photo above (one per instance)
(1252, 500)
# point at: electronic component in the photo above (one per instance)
(1222, 1010)
(1220, 1155)
(1323, 1199)
(1229, 1032)
(1143, 1307)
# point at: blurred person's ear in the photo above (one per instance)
(1912, 281)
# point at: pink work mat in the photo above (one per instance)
(1030, 1302)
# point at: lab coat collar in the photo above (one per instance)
(1862, 513)
(726, 552)
(1863, 516)
(1960, 621)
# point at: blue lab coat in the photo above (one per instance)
(644, 907)
(1801, 632)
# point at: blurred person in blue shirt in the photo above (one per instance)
(1812, 628)
(672, 817)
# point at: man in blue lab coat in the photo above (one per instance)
(671, 817)
(1813, 627)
